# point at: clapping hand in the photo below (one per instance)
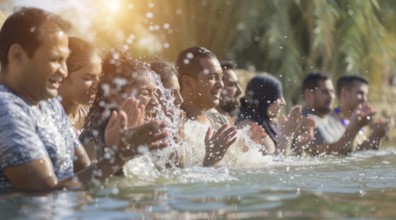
(217, 143)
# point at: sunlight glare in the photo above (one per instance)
(114, 6)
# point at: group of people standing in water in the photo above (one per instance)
(70, 118)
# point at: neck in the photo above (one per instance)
(346, 113)
(70, 107)
(194, 113)
(15, 85)
(316, 112)
(221, 111)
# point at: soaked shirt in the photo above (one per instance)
(30, 133)
(328, 129)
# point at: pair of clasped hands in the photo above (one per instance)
(129, 134)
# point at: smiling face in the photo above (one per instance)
(142, 87)
(80, 86)
(231, 92)
(146, 94)
(355, 95)
(207, 86)
(43, 74)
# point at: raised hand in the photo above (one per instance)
(306, 130)
(362, 115)
(217, 144)
(134, 111)
(129, 142)
(381, 127)
(144, 138)
(290, 124)
(257, 133)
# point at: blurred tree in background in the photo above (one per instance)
(287, 38)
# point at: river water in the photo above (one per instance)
(361, 186)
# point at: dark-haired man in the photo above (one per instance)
(200, 78)
(352, 90)
(39, 150)
(331, 137)
(229, 99)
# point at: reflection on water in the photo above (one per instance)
(360, 186)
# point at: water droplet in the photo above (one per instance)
(190, 55)
(149, 15)
(240, 26)
(166, 26)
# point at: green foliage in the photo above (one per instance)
(287, 38)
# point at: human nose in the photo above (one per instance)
(63, 69)
(178, 98)
(219, 83)
(364, 98)
(154, 99)
(95, 82)
(239, 90)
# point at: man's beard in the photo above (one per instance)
(229, 106)
(323, 110)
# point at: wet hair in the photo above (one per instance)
(22, 27)
(120, 72)
(164, 70)
(311, 81)
(227, 65)
(261, 92)
(81, 53)
(188, 62)
(346, 82)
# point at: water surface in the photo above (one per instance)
(361, 186)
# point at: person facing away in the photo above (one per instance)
(39, 150)
(263, 103)
(352, 90)
(200, 78)
(79, 88)
(229, 98)
(331, 137)
(124, 79)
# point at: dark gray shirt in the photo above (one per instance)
(328, 129)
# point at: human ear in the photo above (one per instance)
(307, 95)
(187, 81)
(16, 54)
